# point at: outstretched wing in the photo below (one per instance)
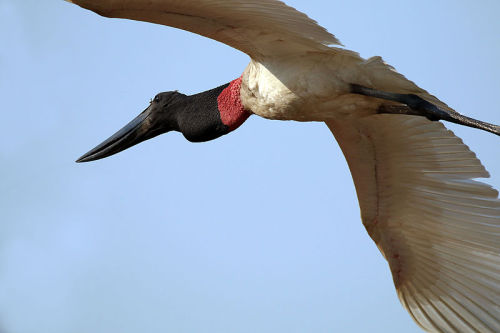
(259, 28)
(437, 227)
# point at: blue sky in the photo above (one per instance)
(258, 231)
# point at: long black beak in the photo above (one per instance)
(140, 129)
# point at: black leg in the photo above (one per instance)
(417, 106)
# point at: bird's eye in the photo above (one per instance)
(156, 99)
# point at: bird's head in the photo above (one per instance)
(201, 117)
(158, 118)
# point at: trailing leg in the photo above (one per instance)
(417, 106)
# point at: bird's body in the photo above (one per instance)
(297, 88)
(317, 86)
(437, 226)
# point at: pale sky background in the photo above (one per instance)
(258, 231)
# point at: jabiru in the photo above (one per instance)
(438, 227)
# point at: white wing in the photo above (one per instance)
(437, 227)
(257, 27)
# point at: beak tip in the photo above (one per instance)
(84, 158)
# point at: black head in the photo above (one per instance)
(196, 116)
(158, 118)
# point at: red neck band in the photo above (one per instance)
(231, 110)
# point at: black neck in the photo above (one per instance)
(198, 116)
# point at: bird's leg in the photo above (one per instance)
(417, 106)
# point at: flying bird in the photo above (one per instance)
(437, 227)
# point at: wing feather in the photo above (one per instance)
(260, 28)
(437, 226)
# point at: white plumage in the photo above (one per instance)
(437, 226)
